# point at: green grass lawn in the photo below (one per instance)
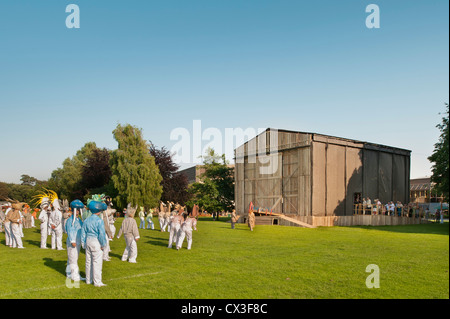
(272, 262)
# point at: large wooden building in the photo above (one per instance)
(303, 175)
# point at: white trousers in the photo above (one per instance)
(150, 222)
(161, 223)
(142, 224)
(8, 234)
(166, 224)
(130, 251)
(16, 236)
(173, 234)
(94, 261)
(44, 234)
(113, 229)
(106, 249)
(57, 236)
(72, 269)
(181, 235)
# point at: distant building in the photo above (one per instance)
(421, 191)
(308, 175)
(194, 173)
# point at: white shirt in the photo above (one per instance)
(55, 219)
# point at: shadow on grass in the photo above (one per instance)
(158, 242)
(33, 242)
(58, 265)
(114, 255)
(431, 228)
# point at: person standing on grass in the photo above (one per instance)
(2, 217)
(7, 224)
(130, 232)
(150, 220)
(43, 218)
(167, 215)
(251, 219)
(93, 240)
(104, 217)
(175, 225)
(161, 219)
(55, 222)
(142, 218)
(186, 229)
(73, 227)
(110, 212)
(234, 218)
(15, 219)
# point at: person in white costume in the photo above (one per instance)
(15, 220)
(55, 222)
(175, 225)
(130, 232)
(43, 218)
(167, 216)
(161, 212)
(104, 217)
(186, 229)
(7, 225)
(110, 214)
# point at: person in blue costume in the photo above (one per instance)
(73, 227)
(93, 240)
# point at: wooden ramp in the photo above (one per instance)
(279, 219)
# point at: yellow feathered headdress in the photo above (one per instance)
(45, 198)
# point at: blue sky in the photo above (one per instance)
(307, 66)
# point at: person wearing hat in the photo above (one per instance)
(130, 232)
(161, 216)
(93, 240)
(234, 218)
(43, 218)
(55, 222)
(150, 220)
(15, 219)
(73, 227)
(251, 218)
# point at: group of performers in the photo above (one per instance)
(178, 223)
(91, 227)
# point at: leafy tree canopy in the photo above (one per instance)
(440, 159)
(135, 174)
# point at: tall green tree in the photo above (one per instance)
(440, 159)
(135, 174)
(66, 179)
(215, 191)
(175, 185)
(206, 195)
